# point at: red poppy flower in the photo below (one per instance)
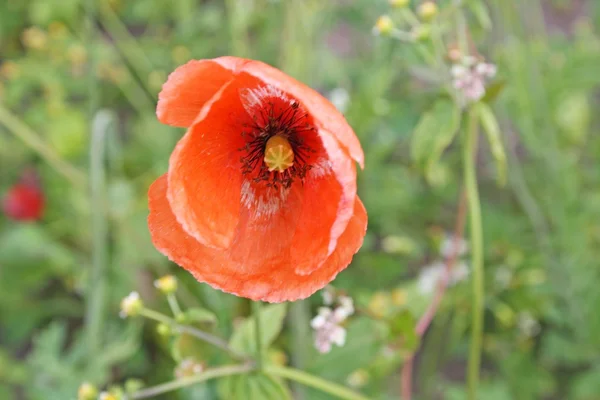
(260, 197)
(24, 201)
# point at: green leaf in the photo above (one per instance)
(257, 386)
(402, 327)
(200, 315)
(244, 336)
(493, 90)
(492, 130)
(433, 134)
(586, 385)
(364, 340)
(479, 9)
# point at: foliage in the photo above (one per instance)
(541, 234)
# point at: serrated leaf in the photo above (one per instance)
(243, 338)
(200, 315)
(492, 130)
(433, 134)
(257, 386)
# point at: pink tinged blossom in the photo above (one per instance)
(469, 78)
(328, 324)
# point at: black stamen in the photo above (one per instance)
(291, 123)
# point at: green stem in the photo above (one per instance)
(314, 382)
(197, 333)
(474, 206)
(173, 304)
(256, 307)
(220, 372)
(299, 323)
(96, 293)
(461, 26)
(238, 29)
(23, 132)
(127, 45)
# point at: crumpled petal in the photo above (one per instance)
(205, 176)
(192, 85)
(214, 266)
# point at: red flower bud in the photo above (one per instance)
(24, 202)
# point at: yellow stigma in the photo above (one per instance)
(279, 154)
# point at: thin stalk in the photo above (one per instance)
(127, 44)
(474, 207)
(315, 382)
(197, 333)
(174, 304)
(32, 140)
(256, 307)
(461, 27)
(238, 29)
(96, 294)
(220, 372)
(299, 324)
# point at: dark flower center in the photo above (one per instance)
(276, 151)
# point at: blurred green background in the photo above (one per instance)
(77, 105)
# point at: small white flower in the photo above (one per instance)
(459, 273)
(327, 324)
(131, 305)
(527, 324)
(338, 336)
(321, 319)
(431, 275)
(447, 247)
(106, 396)
(345, 308)
(469, 77)
(458, 71)
(340, 98)
(188, 367)
(486, 70)
(328, 294)
(503, 277)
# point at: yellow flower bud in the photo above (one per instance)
(358, 378)
(384, 25)
(399, 297)
(427, 11)
(167, 284)
(34, 38)
(163, 329)
(399, 3)
(107, 396)
(87, 391)
(379, 304)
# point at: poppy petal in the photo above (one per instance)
(214, 267)
(324, 113)
(191, 86)
(205, 263)
(329, 197)
(281, 284)
(205, 174)
(268, 219)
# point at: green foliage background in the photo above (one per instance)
(542, 230)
